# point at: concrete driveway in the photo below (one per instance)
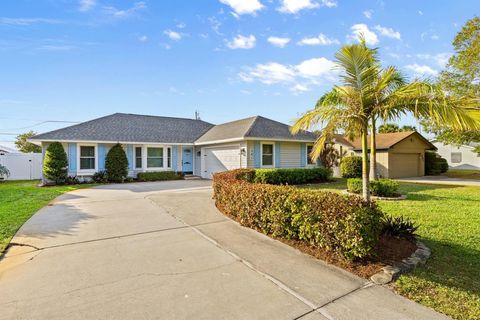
(163, 251)
(443, 180)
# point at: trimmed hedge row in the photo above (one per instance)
(292, 176)
(351, 167)
(381, 187)
(347, 225)
(158, 176)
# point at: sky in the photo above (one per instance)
(67, 61)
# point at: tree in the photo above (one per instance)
(392, 127)
(330, 156)
(462, 78)
(370, 92)
(55, 163)
(4, 172)
(116, 164)
(24, 146)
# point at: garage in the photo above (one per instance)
(217, 159)
(404, 165)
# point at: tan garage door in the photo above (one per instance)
(404, 165)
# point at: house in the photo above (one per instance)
(399, 154)
(459, 156)
(154, 143)
(5, 150)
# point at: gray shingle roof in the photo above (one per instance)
(254, 127)
(131, 128)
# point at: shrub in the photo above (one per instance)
(100, 177)
(55, 163)
(434, 164)
(349, 226)
(381, 187)
(4, 172)
(399, 227)
(291, 176)
(72, 180)
(116, 164)
(158, 176)
(351, 167)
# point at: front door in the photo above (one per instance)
(187, 160)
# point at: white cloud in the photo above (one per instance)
(143, 38)
(321, 39)
(434, 37)
(294, 6)
(86, 5)
(368, 14)
(307, 72)
(278, 41)
(244, 6)
(329, 3)
(28, 21)
(242, 42)
(362, 29)
(420, 12)
(421, 70)
(137, 6)
(388, 32)
(440, 59)
(173, 35)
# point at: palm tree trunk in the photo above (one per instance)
(373, 152)
(365, 180)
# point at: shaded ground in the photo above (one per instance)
(463, 174)
(449, 219)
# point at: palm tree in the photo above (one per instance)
(368, 93)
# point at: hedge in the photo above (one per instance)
(292, 176)
(347, 225)
(55, 163)
(381, 187)
(351, 167)
(434, 164)
(158, 176)
(116, 164)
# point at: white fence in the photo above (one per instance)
(22, 166)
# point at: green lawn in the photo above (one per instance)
(449, 219)
(463, 174)
(19, 200)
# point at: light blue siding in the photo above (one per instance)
(277, 154)
(101, 157)
(130, 156)
(174, 158)
(72, 157)
(256, 154)
(303, 155)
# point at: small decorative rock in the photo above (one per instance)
(389, 273)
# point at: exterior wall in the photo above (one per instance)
(382, 164)
(470, 159)
(286, 154)
(413, 145)
(290, 155)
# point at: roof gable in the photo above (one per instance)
(385, 141)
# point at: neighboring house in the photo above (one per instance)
(154, 143)
(5, 150)
(399, 154)
(459, 157)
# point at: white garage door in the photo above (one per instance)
(220, 159)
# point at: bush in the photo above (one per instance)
(158, 176)
(351, 167)
(399, 227)
(116, 164)
(380, 188)
(435, 164)
(349, 226)
(55, 163)
(4, 172)
(100, 177)
(72, 180)
(292, 176)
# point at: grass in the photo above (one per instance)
(463, 174)
(19, 200)
(449, 219)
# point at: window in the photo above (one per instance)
(267, 154)
(154, 157)
(456, 157)
(138, 157)
(169, 157)
(87, 158)
(309, 158)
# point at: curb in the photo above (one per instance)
(390, 273)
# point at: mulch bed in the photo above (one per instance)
(388, 251)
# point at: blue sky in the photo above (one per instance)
(74, 60)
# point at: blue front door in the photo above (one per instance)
(187, 160)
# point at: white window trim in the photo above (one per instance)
(87, 171)
(273, 155)
(135, 158)
(145, 167)
(307, 156)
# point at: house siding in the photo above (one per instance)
(291, 155)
